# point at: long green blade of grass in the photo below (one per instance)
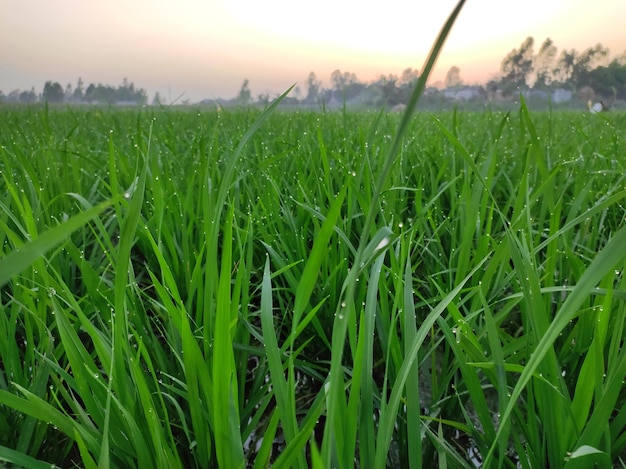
(604, 262)
(21, 259)
(22, 460)
(228, 444)
(388, 417)
(333, 436)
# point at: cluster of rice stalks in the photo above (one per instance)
(192, 289)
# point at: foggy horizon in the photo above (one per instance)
(201, 51)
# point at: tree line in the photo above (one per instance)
(589, 73)
(548, 69)
(53, 92)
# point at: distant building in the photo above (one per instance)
(123, 102)
(561, 95)
(398, 108)
(535, 94)
(462, 94)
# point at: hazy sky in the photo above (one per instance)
(205, 48)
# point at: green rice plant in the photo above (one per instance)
(334, 449)
(180, 302)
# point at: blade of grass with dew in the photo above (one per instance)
(199, 388)
(604, 262)
(413, 421)
(82, 364)
(119, 380)
(590, 377)
(463, 344)
(229, 171)
(228, 445)
(311, 270)
(293, 454)
(587, 456)
(500, 384)
(367, 436)
(334, 424)
(388, 417)
(265, 451)
(605, 405)
(37, 407)
(284, 399)
(551, 410)
(85, 455)
(22, 258)
(40, 375)
(22, 460)
(163, 451)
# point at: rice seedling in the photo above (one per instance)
(312, 289)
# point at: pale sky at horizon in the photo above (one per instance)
(205, 49)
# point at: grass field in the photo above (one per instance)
(203, 289)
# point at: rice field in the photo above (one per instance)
(304, 289)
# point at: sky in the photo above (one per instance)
(198, 49)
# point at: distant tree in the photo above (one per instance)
(2, 97)
(244, 93)
(79, 91)
(90, 93)
(586, 62)
(28, 96)
(68, 94)
(387, 86)
(141, 96)
(565, 65)
(263, 98)
(544, 64)
(53, 92)
(157, 100)
(404, 86)
(346, 85)
(126, 92)
(518, 64)
(101, 94)
(13, 97)
(106, 94)
(453, 77)
(609, 81)
(312, 88)
(342, 80)
(408, 77)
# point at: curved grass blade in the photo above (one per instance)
(22, 258)
(388, 417)
(22, 460)
(604, 262)
(336, 397)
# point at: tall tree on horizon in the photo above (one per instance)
(453, 77)
(544, 64)
(518, 64)
(244, 96)
(313, 86)
(53, 92)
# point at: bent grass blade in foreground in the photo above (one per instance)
(334, 450)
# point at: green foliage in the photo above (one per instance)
(52, 92)
(203, 289)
